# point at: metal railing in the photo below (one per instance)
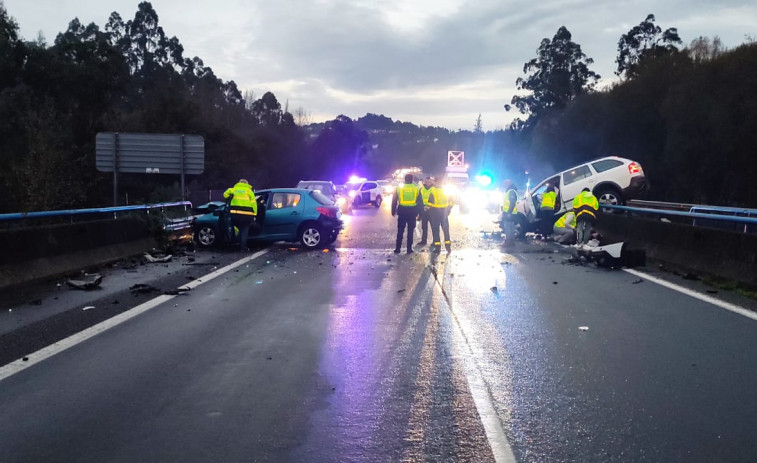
(97, 210)
(716, 214)
(174, 216)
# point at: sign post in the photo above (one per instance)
(150, 154)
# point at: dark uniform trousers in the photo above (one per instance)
(439, 219)
(425, 223)
(406, 218)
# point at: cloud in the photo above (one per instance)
(433, 60)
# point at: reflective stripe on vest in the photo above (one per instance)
(440, 198)
(407, 194)
(585, 203)
(561, 221)
(506, 202)
(425, 192)
(548, 200)
(240, 211)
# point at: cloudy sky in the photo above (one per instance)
(430, 62)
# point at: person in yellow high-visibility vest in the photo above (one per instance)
(426, 189)
(547, 209)
(440, 206)
(406, 205)
(509, 217)
(585, 206)
(243, 208)
(565, 228)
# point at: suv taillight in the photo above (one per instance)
(327, 211)
(634, 168)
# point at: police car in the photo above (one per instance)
(365, 192)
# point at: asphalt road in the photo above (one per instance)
(358, 354)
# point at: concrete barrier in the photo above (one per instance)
(705, 251)
(34, 253)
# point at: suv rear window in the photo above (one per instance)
(576, 174)
(607, 164)
(320, 198)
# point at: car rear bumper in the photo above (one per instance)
(330, 225)
(637, 189)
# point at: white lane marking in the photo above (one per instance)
(57, 347)
(482, 398)
(689, 292)
(501, 449)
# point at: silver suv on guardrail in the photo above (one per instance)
(613, 180)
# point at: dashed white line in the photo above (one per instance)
(55, 348)
(689, 292)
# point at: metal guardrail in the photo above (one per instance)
(659, 205)
(100, 210)
(718, 214)
(175, 226)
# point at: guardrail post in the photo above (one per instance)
(115, 169)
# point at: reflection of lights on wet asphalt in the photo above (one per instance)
(475, 283)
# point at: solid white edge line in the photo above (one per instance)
(495, 433)
(57, 347)
(695, 294)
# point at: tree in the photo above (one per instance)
(302, 117)
(703, 49)
(267, 109)
(559, 73)
(644, 42)
(11, 49)
(478, 127)
(340, 149)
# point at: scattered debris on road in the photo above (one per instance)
(176, 292)
(89, 281)
(157, 260)
(35, 302)
(401, 290)
(583, 328)
(89, 307)
(691, 276)
(636, 282)
(141, 288)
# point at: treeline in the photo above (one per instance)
(128, 77)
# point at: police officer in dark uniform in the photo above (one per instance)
(406, 205)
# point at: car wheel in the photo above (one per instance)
(377, 203)
(356, 201)
(206, 236)
(311, 236)
(609, 196)
(332, 238)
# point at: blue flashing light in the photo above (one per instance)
(484, 180)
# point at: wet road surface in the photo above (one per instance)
(358, 354)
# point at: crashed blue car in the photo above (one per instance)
(284, 214)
